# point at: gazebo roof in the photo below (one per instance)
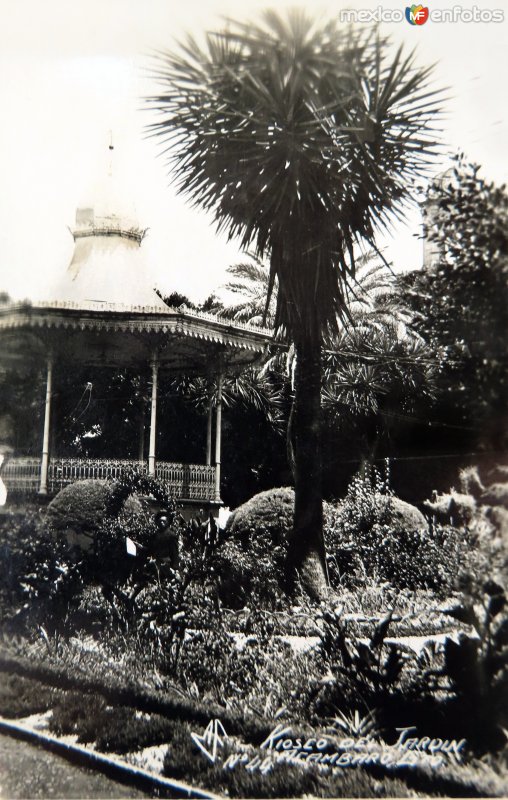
(126, 335)
(105, 311)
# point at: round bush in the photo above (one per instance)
(82, 506)
(251, 562)
(268, 513)
(402, 517)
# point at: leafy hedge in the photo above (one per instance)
(131, 692)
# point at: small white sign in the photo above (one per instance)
(131, 548)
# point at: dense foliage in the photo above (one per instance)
(460, 305)
(39, 575)
(378, 535)
(157, 643)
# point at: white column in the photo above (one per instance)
(209, 429)
(218, 425)
(153, 415)
(43, 488)
(141, 446)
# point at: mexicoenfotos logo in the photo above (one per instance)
(417, 15)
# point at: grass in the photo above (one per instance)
(122, 692)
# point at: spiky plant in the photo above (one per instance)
(302, 138)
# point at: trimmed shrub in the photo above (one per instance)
(269, 512)
(82, 507)
(113, 729)
(20, 697)
(402, 517)
(75, 714)
(251, 562)
(121, 735)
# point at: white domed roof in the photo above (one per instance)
(108, 265)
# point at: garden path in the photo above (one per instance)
(31, 772)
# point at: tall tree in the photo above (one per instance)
(376, 370)
(460, 306)
(301, 138)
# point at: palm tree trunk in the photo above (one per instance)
(290, 445)
(306, 552)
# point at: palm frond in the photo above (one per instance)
(302, 139)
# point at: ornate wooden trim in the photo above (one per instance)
(133, 319)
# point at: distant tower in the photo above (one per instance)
(431, 249)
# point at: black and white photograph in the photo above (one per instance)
(253, 399)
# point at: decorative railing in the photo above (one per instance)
(189, 481)
(184, 481)
(22, 475)
(63, 471)
(138, 234)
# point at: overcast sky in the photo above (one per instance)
(72, 70)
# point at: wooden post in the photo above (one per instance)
(43, 487)
(209, 429)
(153, 415)
(218, 425)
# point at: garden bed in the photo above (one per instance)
(143, 658)
(119, 738)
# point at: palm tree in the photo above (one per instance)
(378, 352)
(374, 368)
(250, 283)
(302, 139)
